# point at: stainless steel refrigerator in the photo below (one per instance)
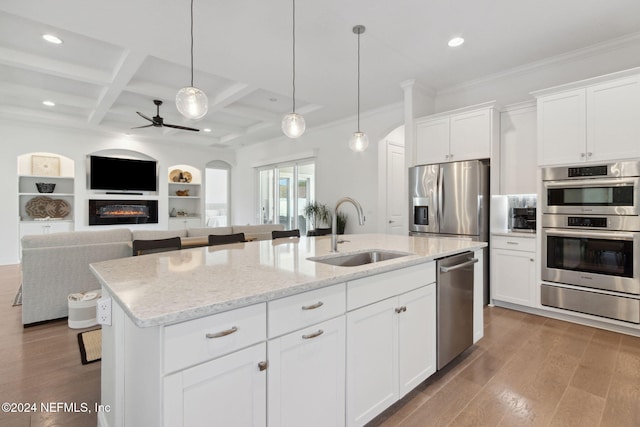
(451, 200)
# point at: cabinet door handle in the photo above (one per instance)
(589, 154)
(313, 306)
(313, 335)
(582, 155)
(263, 365)
(223, 333)
(401, 309)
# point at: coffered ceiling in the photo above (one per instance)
(118, 56)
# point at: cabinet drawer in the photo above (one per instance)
(301, 310)
(514, 243)
(199, 340)
(361, 292)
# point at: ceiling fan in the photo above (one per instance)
(158, 121)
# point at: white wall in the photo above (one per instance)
(20, 138)
(339, 171)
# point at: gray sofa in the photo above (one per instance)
(57, 264)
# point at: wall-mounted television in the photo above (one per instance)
(120, 174)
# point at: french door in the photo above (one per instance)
(284, 192)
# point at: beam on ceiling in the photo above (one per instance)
(129, 64)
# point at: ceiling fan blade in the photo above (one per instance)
(144, 117)
(145, 126)
(180, 127)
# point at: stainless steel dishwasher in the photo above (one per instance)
(454, 296)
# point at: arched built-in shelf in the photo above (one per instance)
(41, 212)
(185, 203)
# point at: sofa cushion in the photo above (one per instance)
(203, 232)
(75, 238)
(157, 234)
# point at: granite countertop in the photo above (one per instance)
(169, 287)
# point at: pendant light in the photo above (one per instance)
(293, 124)
(359, 140)
(191, 101)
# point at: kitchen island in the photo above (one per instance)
(203, 335)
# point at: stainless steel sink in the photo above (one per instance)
(359, 258)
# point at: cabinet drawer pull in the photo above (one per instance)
(313, 306)
(263, 365)
(512, 243)
(313, 335)
(223, 333)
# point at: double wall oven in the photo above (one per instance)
(591, 239)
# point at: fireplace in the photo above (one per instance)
(110, 212)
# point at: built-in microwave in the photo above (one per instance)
(608, 189)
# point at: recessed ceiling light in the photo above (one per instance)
(52, 39)
(49, 103)
(455, 42)
(206, 130)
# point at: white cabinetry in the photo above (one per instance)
(518, 148)
(594, 123)
(613, 120)
(229, 384)
(219, 369)
(306, 379)
(391, 343)
(454, 136)
(306, 385)
(416, 337)
(513, 271)
(228, 391)
(432, 140)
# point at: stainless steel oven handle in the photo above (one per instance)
(590, 183)
(595, 234)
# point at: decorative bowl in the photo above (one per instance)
(182, 192)
(45, 187)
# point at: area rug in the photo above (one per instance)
(90, 343)
(18, 298)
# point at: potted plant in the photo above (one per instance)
(317, 215)
(341, 222)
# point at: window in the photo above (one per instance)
(284, 192)
(217, 185)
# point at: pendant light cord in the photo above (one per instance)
(191, 43)
(359, 81)
(294, 56)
